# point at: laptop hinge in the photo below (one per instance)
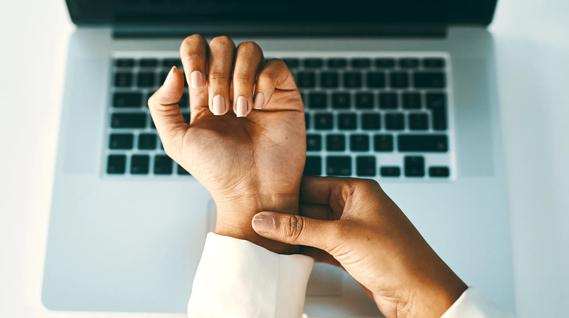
(282, 30)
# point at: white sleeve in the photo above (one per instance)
(238, 279)
(472, 305)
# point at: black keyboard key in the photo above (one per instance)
(306, 79)
(148, 62)
(139, 164)
(323, 121)
(388, 100)
(329, 79)
(433, 62)
(124, 62)
(335, 142)
(359, 142)
(399, 80)
(147, 141)
(409, 63)
(360, 62)
(292, 62)
(411, 100)
(394, 121)
(307, 121)
(439, 172)
(352, 79)
(390, 171)
(383, 143)
(181, 171)
(341, 100)
(364, 101)
(338, 166)
(169, 62)
(162, 75)
(317, 100)
(366, 166)
(414, 166)
(418, 121)
(146, 79)
(163, 165)
(375, 79)
(127, 99)
(313, 62)
(422, 143)
(371, 121)
(386, 63)
(347, 121)
(186, 115)
(429, 80)
(337, 63)
(121, 141)
(116, 164)
(313, 142)
(313, 166)
(437, 104)
(123, 79)
(128, 120)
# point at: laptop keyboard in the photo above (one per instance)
(376, 116)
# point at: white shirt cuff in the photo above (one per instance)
(472, 305)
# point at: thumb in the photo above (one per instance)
(296, 230)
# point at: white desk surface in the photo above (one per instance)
(533, 71)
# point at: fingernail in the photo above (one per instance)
(241, 107)
(263, 223)
(218, 105)
(169, 77)
(259, 100)
(196, 79)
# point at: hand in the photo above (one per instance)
(245, 141)
(356, 225)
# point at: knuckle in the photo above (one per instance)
(221, 41)
(293, 227)
(244, 78)
(218, 76)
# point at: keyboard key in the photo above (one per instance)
(120, 141)
(399, 80)
(429, 80)
(409, 63)
(169, 62)
(146, 79)
(123, 79)
(394, 121)
(186, 115)
(359, 142)
(433, 62)
(163, 165)
(329, 79)
(323, 121)
(390, 171)
(347, 121)
(313, 62)
(127, 100)
(375, 79)
(124, 62)
(383, 143)
(128, 120)
(147, 141)
(360, 62)
(439, 172)
(307, 121)
(338, 166)
(337, 63)
(313, 142)
(411, 100)
(422, 143)
(181, 171)
(366, 166)
(292, 62)
(148, 62)
(139, 164)
(317, 100)
(437, 104)
(306, 79)
(364, 101)
(418, 121)
(313, 166)
(388, 100)
(116, 164)
(335, 142)
(414, 166)
(341, 100)
(384, 63)
(371, 121)
(352, 79)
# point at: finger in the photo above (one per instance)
(165, 112)
(275, 75)
(221, 54)
(247, 61)
(317, 211)
(193, 53)
(320, 256)
(296, 230)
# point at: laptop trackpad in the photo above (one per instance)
(325, 280)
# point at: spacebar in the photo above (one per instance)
(425, 143)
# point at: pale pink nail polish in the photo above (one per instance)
(259, 100)
(241, 106)
(218, 105)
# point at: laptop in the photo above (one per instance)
(403, 92)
